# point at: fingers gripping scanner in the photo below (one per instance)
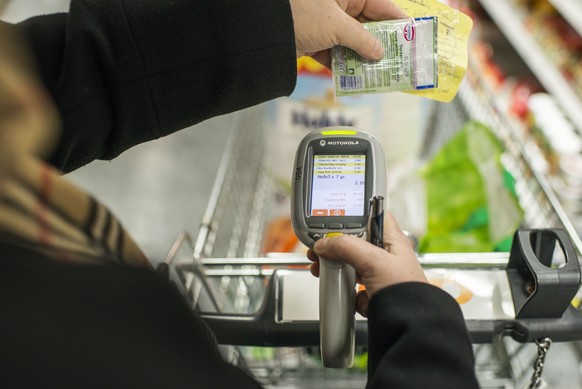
(337, 171)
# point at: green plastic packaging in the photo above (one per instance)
(472, 205)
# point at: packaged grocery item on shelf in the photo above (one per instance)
(554, 133)
(483, 55)
(560, 40)
(520, 95)
(567, 185)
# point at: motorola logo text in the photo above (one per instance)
(342, 143)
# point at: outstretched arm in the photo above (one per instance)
(127, 71)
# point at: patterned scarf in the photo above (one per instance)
(43, 211)
(39, 209)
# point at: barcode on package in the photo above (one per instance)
(351, 82)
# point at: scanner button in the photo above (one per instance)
(317, 225)
(315, 235)
(335, 226)
(354, 225)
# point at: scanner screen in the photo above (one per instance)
(338, 185)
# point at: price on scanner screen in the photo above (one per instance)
(338, 185)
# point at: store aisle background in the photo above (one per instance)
(161, 188)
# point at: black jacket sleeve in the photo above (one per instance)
(128, 71)
(75, 326)
(418, 339)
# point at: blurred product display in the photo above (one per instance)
(530, 52)
(505, 153)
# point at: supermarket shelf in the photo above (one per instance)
(571, 10)
(481, 105)
(510, 21)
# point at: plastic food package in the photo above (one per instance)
(471, 202)
(452, 37)
(409, 62)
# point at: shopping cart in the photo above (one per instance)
(242, 294)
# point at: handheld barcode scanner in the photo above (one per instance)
(337, 171)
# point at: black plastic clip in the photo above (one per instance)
(540, 290)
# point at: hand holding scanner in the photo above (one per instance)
(337, 171)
